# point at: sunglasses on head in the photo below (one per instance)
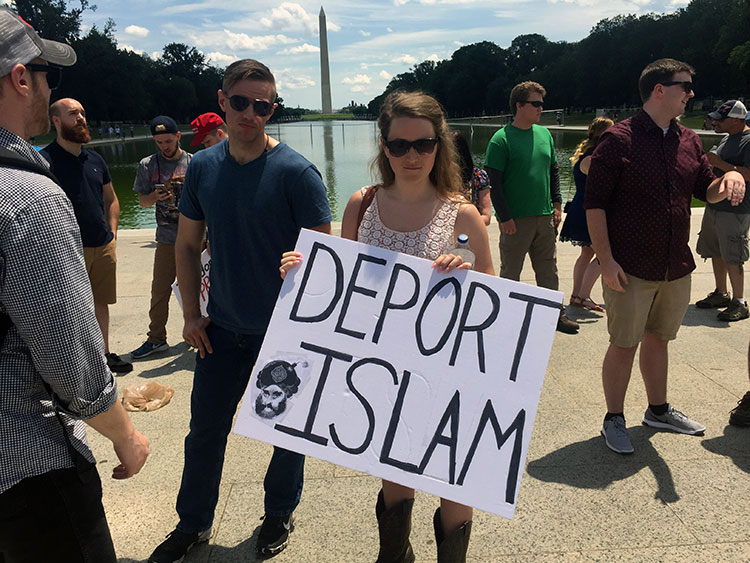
(241, 103)
(687, 85)
(535, 103)
(54, 73)
(399, 147)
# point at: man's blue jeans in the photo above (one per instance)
(219, 383)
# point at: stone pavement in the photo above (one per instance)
(678, 498)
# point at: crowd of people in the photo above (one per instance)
(58, 231)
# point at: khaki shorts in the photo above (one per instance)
(724, 234)
(657, 307)
(101, 266)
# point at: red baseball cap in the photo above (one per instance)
(203, 125)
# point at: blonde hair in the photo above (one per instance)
(596, 128)
(445, 174)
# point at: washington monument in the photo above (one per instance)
(325, 75)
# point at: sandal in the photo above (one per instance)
(576, 301)
(591, 305)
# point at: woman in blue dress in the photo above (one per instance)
(574, 229)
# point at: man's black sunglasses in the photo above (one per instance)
(241, 103)
(687, 85)
(54, 73)
(399, 147)
(535, 103)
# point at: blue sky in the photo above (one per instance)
(369, 41)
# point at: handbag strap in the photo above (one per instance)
(366, 202)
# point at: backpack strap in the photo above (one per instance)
(11, 159)
(366, 202)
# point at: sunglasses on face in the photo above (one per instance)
(54, 73)
(241, 103)
(535, 103)
(686, 84)
(399, 147)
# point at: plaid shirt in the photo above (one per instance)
(55, 338)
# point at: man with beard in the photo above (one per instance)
(277, 381)
(159, 181)
(84, 176)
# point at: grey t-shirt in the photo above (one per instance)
(734, 149)
(156, 169)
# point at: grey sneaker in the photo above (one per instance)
(713, 300)
(148, 348)
(616, 435)
(673, 420)
(736, 311)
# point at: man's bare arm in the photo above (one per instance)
(187, 253)
(612, 273)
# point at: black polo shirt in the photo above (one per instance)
(82, 178)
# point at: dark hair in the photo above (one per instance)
(465, 160)
(658, 72)
(247, 69)
(520, 93)
(445, 174)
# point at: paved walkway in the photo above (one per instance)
(678, 498)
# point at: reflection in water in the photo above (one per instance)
(343, 158)
(330, 165)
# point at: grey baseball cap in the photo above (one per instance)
(730, 108)
(19, 44)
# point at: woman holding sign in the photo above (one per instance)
(417, 208)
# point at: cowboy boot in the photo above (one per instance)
(394, 526)
(453, 548)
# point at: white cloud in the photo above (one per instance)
(408, 59)
(306, 48)
(238, 41)
(358, 79)
(364, 33)
(458, 44)
(293, 17)
(385, 74)
(136, 30)
(357, 89)
(389, 29)
(363, 66)
(156, 55)
(292, 79)
(130, 48)
(220, 58)
(434, 58)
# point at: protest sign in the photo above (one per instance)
(375, 361)
(205, 284)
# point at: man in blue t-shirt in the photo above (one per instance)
(254, 194)
(84, 176)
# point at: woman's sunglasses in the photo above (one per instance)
(54, 73)
(241, 103)
(399, 147)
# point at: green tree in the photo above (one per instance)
(52, 19)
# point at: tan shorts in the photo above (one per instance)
(657, 307)
(101, 265)
(724, 234)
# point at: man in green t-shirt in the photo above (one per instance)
(525, 180)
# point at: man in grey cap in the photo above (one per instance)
(159, 181)
(724, 231)
(53, 373)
